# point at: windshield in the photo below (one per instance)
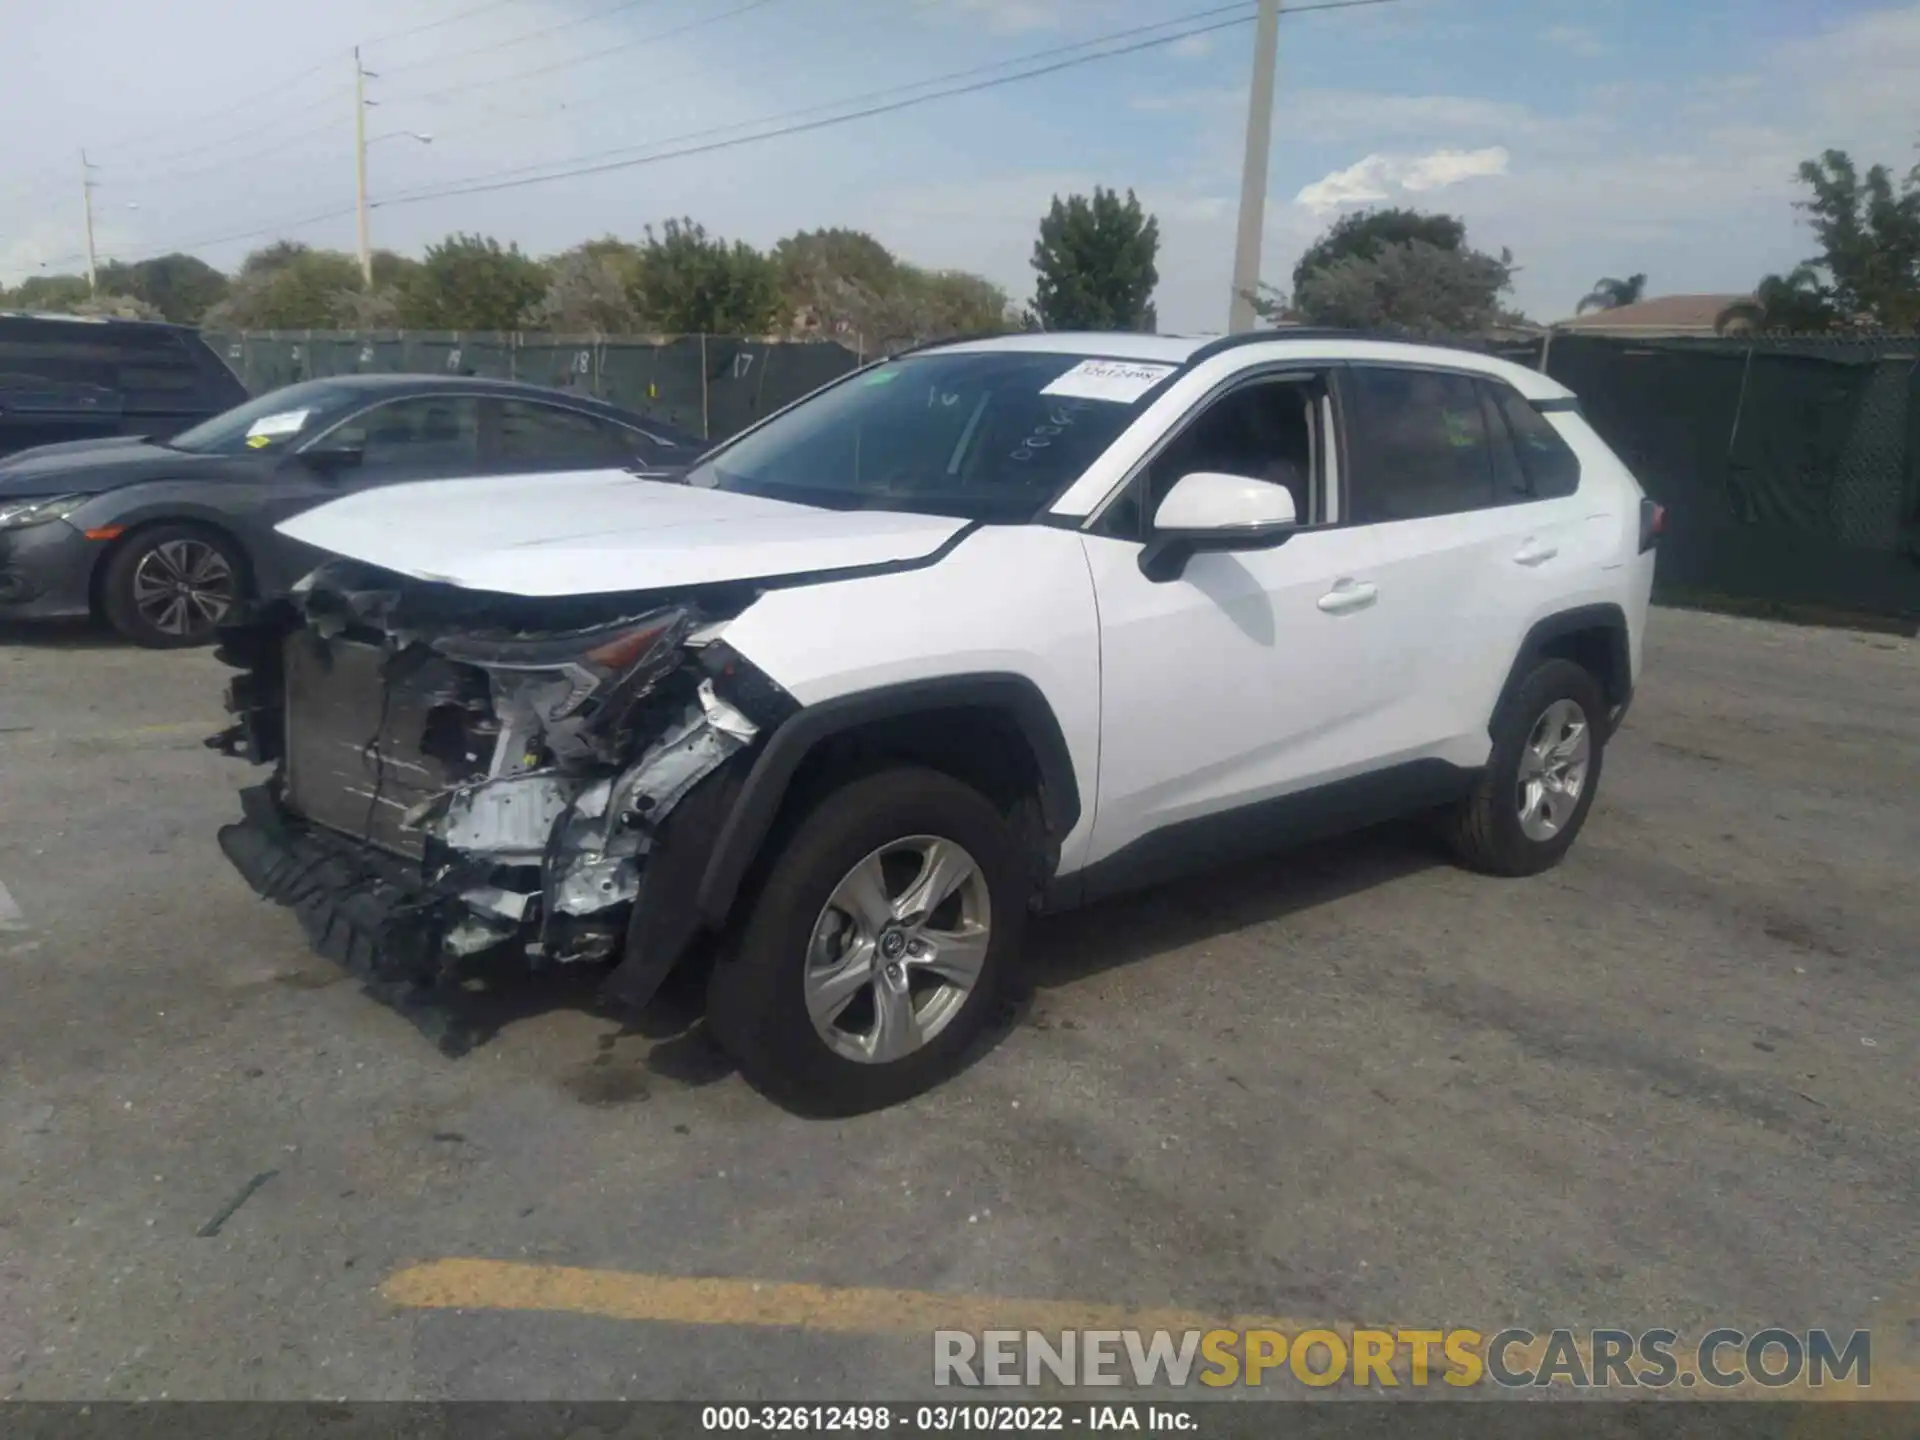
(274, 421)
(985, 435)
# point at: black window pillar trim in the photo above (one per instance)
(752, 816)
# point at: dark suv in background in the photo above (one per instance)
(66, 377)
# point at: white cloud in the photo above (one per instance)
(1689, 179)
(1191, 47)
(1380, 177)
(1449, 167)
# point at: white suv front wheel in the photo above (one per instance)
(871, 957)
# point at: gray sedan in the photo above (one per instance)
(162, 539)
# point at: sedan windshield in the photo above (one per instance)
(274, 421)
(982, 435)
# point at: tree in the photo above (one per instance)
(1796, 302)
(277, 256)
(839, 282)
(586, 293)
(286, 286)
(55, 293)
(117, 307)
(177, 287)
(1868, 269)
(1611, 294)
(1415, 289)
(953, 302)
(688, 282)
(472, 282)
(1094, 260)
(1362, 235)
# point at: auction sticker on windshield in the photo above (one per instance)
(273, 427)
(1120, 382)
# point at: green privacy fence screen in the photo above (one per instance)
(711, 385)
(1790, 467)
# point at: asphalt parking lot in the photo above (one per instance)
(1674, 1082)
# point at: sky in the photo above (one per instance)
(1659, 136)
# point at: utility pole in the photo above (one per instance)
(360, 165)
(86, 199)
(1253, 176)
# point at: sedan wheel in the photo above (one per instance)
(183, 588)
(172, 586)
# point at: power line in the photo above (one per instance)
(485, 185)
(599, 54)
(496, 181)
(622, 86)
(428, 192)
(453, 19)
(539, 34)
(252, 101)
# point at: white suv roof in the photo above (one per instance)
(1264, 345)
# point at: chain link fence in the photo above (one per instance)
(711, 385)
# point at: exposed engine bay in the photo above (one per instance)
(459, 773)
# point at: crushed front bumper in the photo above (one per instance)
(366, 911)
(437, 797)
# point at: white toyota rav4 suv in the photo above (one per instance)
(988, 628)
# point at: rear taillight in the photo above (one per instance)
(1653, 523)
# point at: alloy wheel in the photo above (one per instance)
(184, 587)
(1553, 770)
(898, 949)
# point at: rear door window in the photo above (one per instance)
(535, 434)
(151, 369)
(1419, 443)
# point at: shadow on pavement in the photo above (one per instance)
(495, 993)
(60, 635)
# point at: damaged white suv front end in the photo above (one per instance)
(451, 780)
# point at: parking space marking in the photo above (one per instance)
(462, 1284)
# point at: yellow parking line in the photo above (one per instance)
(622, 1295)
(474, 1284)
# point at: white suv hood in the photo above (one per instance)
(600, 531)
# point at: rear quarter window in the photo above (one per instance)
(150, 369)
(1551, 468)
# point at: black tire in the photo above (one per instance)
(756, 1004)
(155, 556)
(1484, 831)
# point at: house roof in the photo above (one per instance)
(1662, 315)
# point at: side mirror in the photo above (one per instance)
(341, 450)
(1208, 510)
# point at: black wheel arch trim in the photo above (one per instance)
(752, 816)
(1609, 619)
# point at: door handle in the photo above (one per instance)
(1533, 552)
(1349, 595)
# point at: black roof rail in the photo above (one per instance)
(1327, 332)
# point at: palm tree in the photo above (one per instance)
(1796, 301)
(1611, 294)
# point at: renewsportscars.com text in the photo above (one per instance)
(1722, 1359)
